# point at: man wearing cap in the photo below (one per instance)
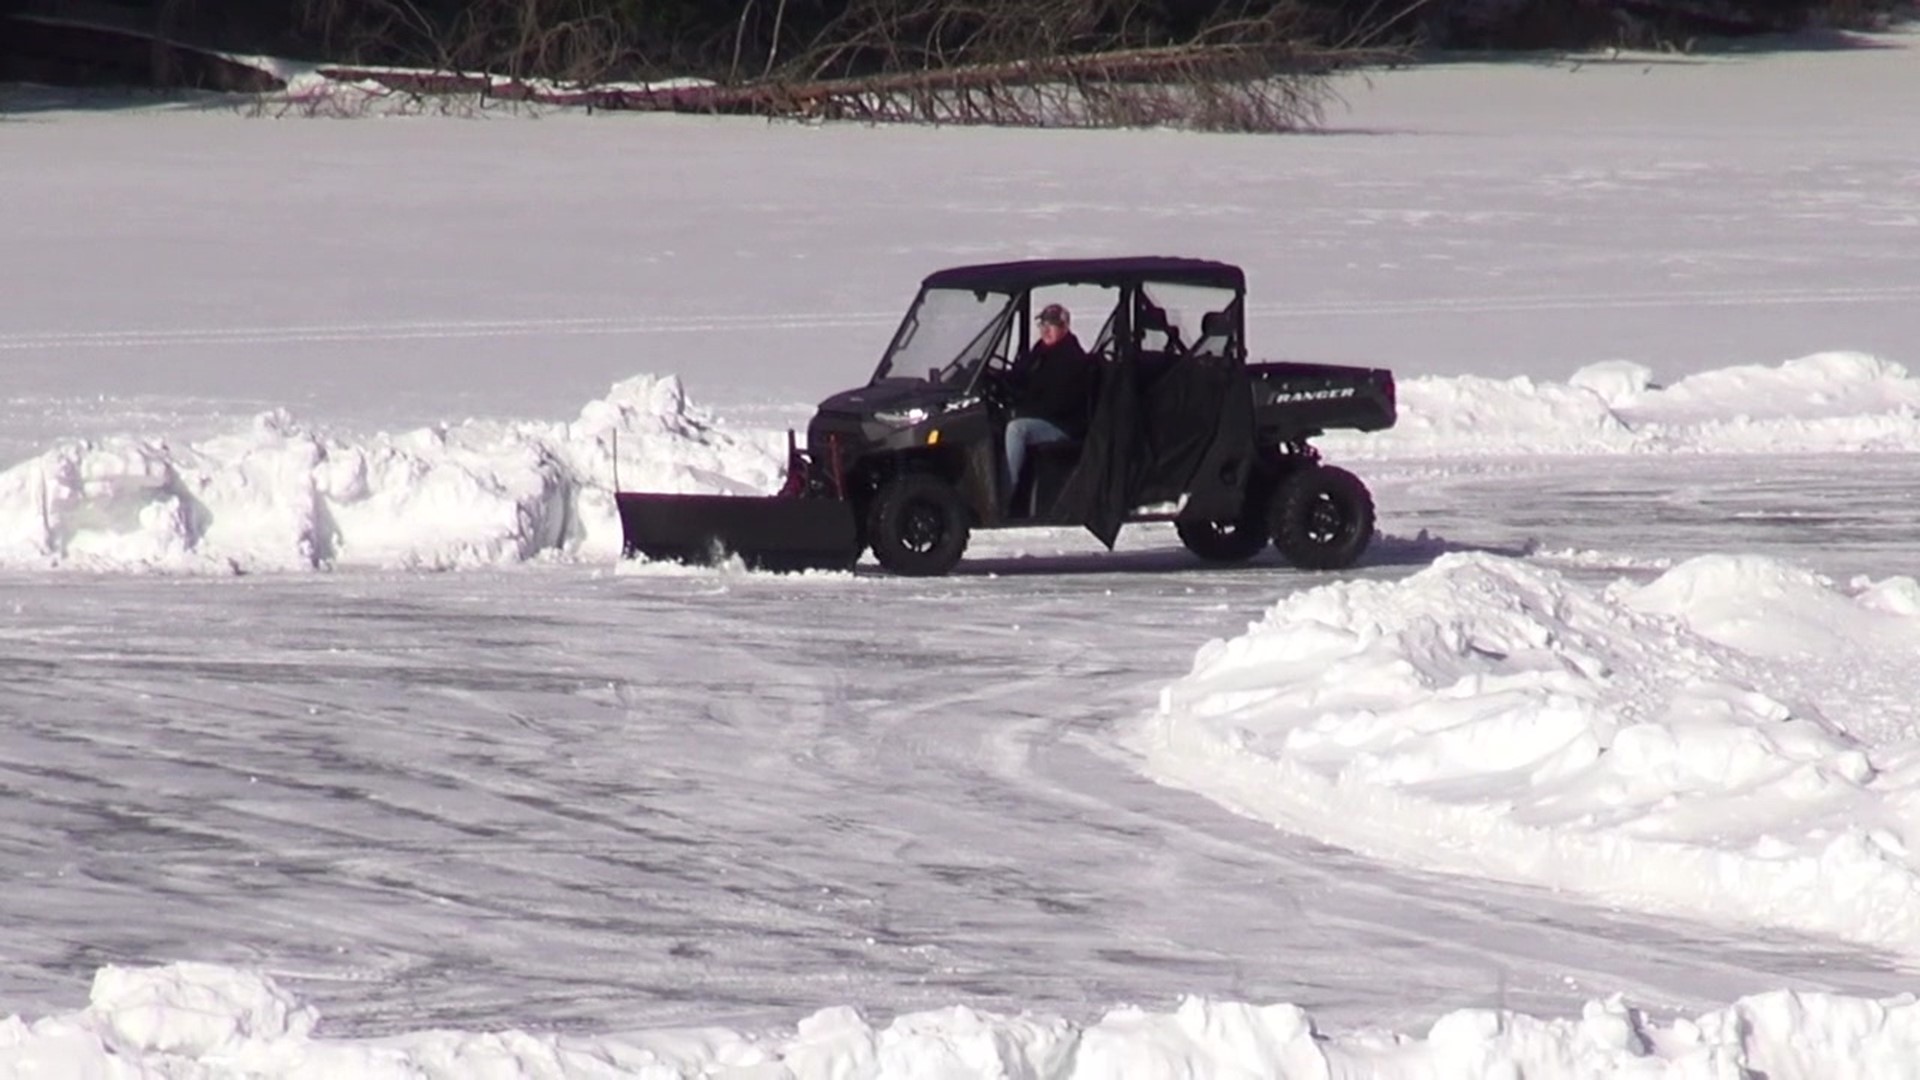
(1051, 388)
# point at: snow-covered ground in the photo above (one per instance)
(1605, 762)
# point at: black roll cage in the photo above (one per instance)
(1135, 309)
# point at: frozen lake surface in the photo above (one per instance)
(571, 798)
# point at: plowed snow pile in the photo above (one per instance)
(283, 495)
(196, 1020)
(1644, 744)
(1837, 401)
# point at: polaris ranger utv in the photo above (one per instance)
(1181, 428)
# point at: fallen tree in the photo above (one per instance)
(1211, 87)
(1246, 65)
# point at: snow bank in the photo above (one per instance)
(197, 1020)
(1641, 744)
(1838, 401)
(287, 495)
(284, 495)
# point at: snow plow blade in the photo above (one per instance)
(775, 533)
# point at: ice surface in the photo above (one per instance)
(1686, 213)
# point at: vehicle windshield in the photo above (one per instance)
(947, 334)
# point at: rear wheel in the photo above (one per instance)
(1237, 540)
(917, 526)
(1223, 541)
(1322, 518)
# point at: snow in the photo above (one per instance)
(284, 495)
(1486, 716)
(195, 1020)
(1604, 763)
(1826, 402)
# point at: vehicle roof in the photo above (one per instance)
(1032, 273)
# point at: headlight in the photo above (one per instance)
(903, 417)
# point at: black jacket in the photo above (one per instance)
(1056, 382)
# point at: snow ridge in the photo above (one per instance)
(283, 495)
(1641, 744)
(1828, 402)
(286, 495)
(201, 1020)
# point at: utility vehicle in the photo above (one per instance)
(1181, 428)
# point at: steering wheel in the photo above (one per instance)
(992, 383)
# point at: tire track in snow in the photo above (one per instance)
(456, 329)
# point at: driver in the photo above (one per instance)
(1051, 392)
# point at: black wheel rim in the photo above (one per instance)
(1327, 524)
(922, 527)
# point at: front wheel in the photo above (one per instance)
(918, 526)
(1322, 518)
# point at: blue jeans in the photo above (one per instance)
(1021, 433)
